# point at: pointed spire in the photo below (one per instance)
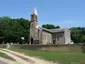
(35, 11)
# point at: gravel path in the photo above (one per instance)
(24, 59)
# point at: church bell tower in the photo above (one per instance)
(33, 26)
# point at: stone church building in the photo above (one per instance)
(39, 35)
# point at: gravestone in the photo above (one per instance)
(7, 45)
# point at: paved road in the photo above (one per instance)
(1, 62)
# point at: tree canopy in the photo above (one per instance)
(50, 26)
(78, 34)
(11, 30)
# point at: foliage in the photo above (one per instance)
(50, 26)
(11, 30)
(78, 34)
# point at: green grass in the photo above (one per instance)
(60, 57)
(6, 56)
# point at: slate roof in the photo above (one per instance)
(52, 30)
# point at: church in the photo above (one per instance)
(39, 35)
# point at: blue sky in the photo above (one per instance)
(65, 13)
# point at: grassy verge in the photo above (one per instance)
(60, 57)
(6, 56)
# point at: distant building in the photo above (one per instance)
(39, 35)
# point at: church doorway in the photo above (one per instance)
(32, 40)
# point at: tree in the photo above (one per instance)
(25, 24)
(11, 30)
(50, 26)
(83, 39)
(78, 34)
(4, 28)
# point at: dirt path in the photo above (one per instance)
(6, 61)
(24, 59)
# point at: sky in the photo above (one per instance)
(63, 13)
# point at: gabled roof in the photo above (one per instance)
(45, 29)
(58, 30)
(53, 30)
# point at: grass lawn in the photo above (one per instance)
(60, 57)
(6, 56)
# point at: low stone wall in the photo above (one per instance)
(53, 48)
(2, 45)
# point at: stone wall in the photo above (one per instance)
(46, 37)
(53, 48)
(59, 37)
(3, 45)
